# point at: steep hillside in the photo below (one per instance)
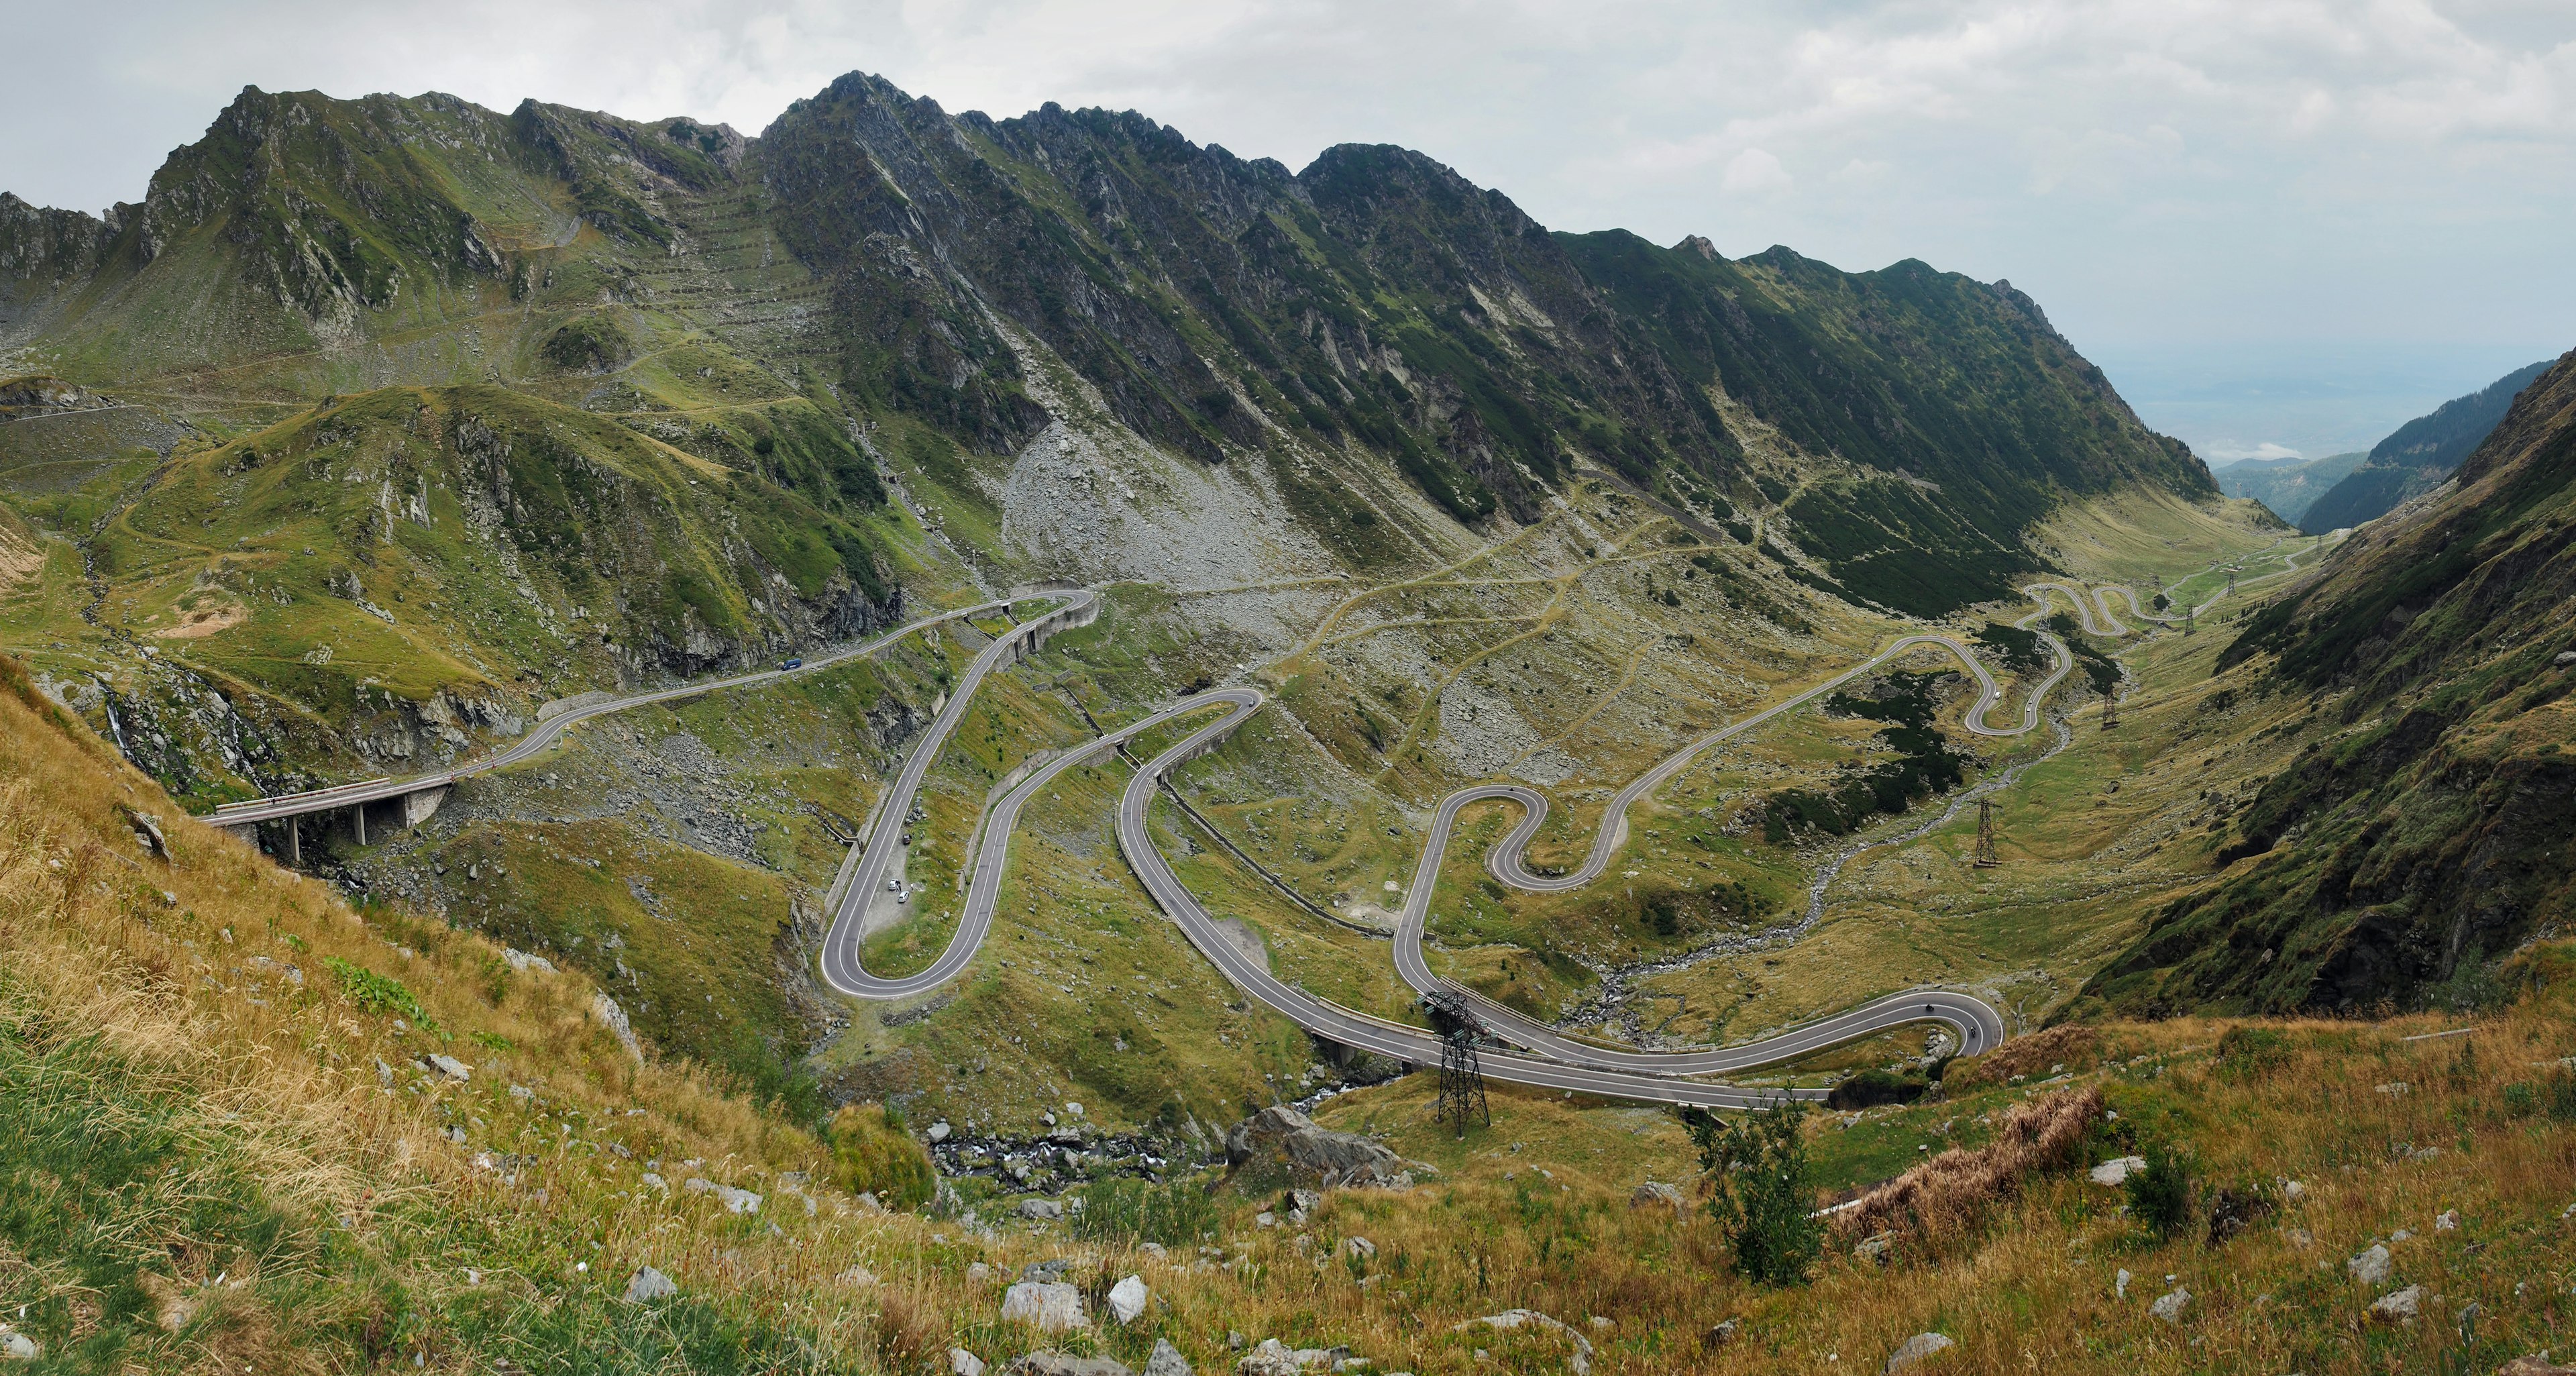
(2417, 456)
(2288, 486)
(250, 1127)
(2415, 833)
(380, 575)
(1374, 305)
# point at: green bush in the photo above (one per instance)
(1762, 1194)
(2160, 1193)
(1177, 1213)
(872, 1154)
(378, 993)
(1870, 1088)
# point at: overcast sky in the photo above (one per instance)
(2280, 224)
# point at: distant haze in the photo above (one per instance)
(2280, 227)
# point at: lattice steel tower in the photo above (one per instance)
(1462, 1077)
(1986, 858)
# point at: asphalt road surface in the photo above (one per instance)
(546, 732)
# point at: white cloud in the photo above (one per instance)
(1754, 171)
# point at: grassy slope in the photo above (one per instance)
(203, 1134)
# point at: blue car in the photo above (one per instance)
(791, 664)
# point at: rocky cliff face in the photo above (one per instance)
(1374, 305)
(2431, 832)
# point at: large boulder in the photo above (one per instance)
(1280, 1145)
(1052, 1305)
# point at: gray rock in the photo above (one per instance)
(1053, 1306)
(448, 1066)
(2120, 1284)
(649, 1285)
(1127, 1299)
(1916, 1349)
(939, 1132)
(2170, 1305)
(735, 1201)
(1052, 1269)
(18, 1347)
(1876, 1247)
(1167, 1361)
(1656, 1192)
(1359, 1247)
(522, 962)
(1275, 1358)
(1580, 1363)
(1283, 1139)
(2370, 1267)
(1038, 1210)
(964, 1363)
(2114, 1173)
(613, 1018)
(1063, 1364)
(2399, 1306)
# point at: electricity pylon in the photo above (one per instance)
(1462, 1077)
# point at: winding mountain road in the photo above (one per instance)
(545, 733)
(1560, 1062)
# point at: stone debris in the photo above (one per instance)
(613, 1018)
(939, 1131)
(2535, 1364)
(1916, 1349)
(1275, 1358)
(2120, 1284)
(2400, 1306)
(1052, 1305)
(2447, 1222)
(2115, 1173)
(2369, 1267)
(448, 1066)
(1040, 1210)
(522, 962)
(1580, 1363)
(648, 1285)
(18, 1347)
(1167, 1360)
(1656, 1192)
(1049, 1363)
(735, 1201)
(1281, 1138)
(1876, 1247)
(1360, 1248)
(964, 1363)
(2170, 1305)
(1127, 1300)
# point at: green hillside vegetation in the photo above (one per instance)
(2404, 846)
(2417, 456)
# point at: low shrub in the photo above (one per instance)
(872, 1154)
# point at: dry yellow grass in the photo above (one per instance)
(480, 1258)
